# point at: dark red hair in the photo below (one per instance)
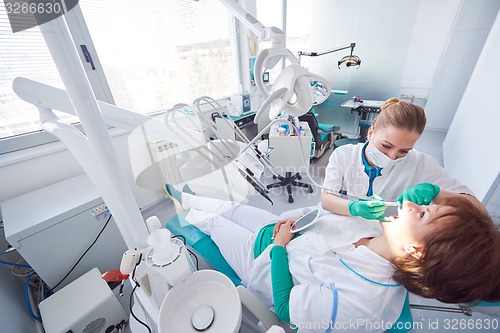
(461, 259)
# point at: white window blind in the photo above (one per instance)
(154, 54)
(159, 53)
(23, 54)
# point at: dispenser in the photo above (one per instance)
(167, 263)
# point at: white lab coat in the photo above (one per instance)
(346, 171)
(362, 306)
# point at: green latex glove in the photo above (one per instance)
(421, 194)
(370, 210)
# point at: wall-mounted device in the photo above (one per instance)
(265, 77)
(52, 227)
(241, 103)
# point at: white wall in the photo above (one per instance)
(469, 32)
(382, 31)
(471, 146)
(424, 48)
(429, 39)
(400, 44)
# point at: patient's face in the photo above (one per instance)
(414, 222)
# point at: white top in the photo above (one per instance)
(346, 171)
(362, 306)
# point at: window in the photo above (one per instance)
(22, 54)
(298, 23)
(159, 53)
(154, 54)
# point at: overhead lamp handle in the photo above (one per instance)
(315, 54)
(273, 34)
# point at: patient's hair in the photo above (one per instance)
(400, 114)
(461, 259)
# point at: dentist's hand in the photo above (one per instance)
(421, 194)
(370, 210)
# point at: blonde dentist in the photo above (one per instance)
(386, 165)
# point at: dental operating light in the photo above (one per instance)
(346, 61)
(295, 90)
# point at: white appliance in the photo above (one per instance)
(167, 263)
(86, 305)
(52, 227)
(240, 104)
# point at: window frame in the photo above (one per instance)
(81, 36)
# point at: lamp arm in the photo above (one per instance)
(273, 34)
(315, 54)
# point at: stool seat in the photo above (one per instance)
(341, 142)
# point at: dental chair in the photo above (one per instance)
(364, 125)
(255, 311)
(324, 135)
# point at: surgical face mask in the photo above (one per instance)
(380, 159)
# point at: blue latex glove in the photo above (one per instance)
(421, 194)
(370, 210)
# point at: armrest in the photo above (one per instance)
(331, 130)
(324, 132)
(257, 308)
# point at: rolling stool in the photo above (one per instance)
(364, 126)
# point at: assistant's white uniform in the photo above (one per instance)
(346, 171)
(361, 305)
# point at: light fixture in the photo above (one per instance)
(295, 89)
(350, 61)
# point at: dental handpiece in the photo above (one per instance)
(343, 194)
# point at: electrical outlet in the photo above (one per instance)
(100, 212)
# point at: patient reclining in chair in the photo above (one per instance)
(450, 252)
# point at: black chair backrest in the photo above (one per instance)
(312, 121)
(364, 125)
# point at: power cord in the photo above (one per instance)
(11, 263)
(81, 257)
(26, 285)
(27, 300)
(132, 295)
(183, 239)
